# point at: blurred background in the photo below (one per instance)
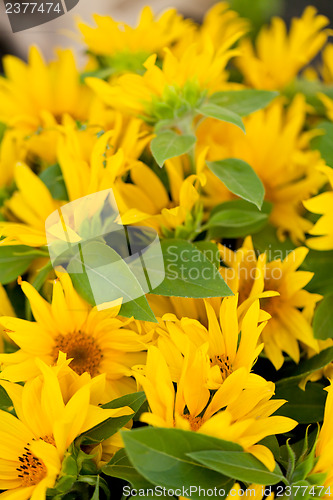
(59, 32)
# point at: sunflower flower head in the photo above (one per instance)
(37, 92)
(169, 92)
(279, 284)
(235, 412)
(34, 448)
(278, 56)
(97, 342)
(231, 344)
(125, 49)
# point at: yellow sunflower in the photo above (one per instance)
(239, 410)
(34, 442)
(278, 150)
(200, 69)
(291, 309)
(323, 229)
(90, 165)
(35, 93)
(231, 344)
(278, 56)
(96, 341)
(125, 44)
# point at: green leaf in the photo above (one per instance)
(188, 273)
(243, 102)
(54, 181)
(67, 476)
(15, 260)
(266, 240)
(137, 308)
(320, 263)
(5, 401)
(304, 406)
(109, 279)
(210, 251)
(169, 144)
(106, 429)
(102, 73)
(240, 178)
(238, 465)
(305, 368)
(324, 143)
(323, 319)
(121, 467)
(212, 110)
(3, 127)
(290, 458)
(41, 275)
(161, 456)
(310, 90)
(236, 218)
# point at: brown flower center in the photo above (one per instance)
(84, 350)
(222, 361)
(195, 422)
(270, 304)
(49, 440)
(32, 470)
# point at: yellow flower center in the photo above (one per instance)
(222, 361)
(32, 470)
(84, 350)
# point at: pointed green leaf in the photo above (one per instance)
(243, 102)
(306, 406)
(304, 369)
(324, 143)
(240, 178)
(214, 111)
(189, 273)
(161, 456)
(238, 465)
(109, 427)
(169, 144)
(121, 467)
(15, 260)
(236, 218)
(323, 319)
